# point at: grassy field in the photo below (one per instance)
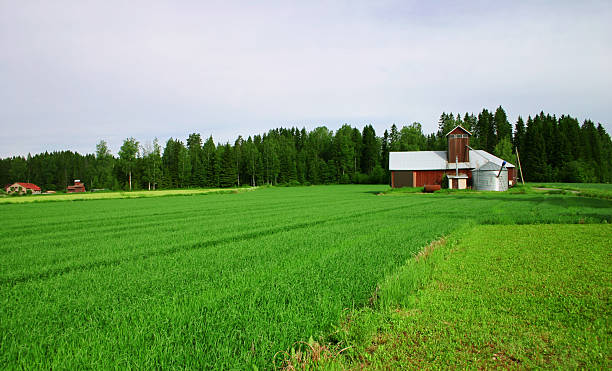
(597, 190)
(220, 280)
(576, 186)
(114, 195)
(491, 298)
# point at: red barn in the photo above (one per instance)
(76, 188)
(420, 168)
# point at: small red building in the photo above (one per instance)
(420, 168)
(76, 188)
(22, 188)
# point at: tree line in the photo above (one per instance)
(550, 148)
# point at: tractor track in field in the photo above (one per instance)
(169, 216)
(78, 235)
(13, 281)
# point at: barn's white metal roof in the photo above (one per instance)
(436, 160)
(417, 160)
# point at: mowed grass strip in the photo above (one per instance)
(503, 297)
(116, 195)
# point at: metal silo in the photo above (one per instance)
(486, 178)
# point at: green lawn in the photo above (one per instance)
(528, 296)
(576, 186)
(599, 190)
(220, 280)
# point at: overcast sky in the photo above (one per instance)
(75, 72)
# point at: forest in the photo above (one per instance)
(551, 149)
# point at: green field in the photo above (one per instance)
(114, 195)
(220, 280)
(494, 296)
(597, 190)
(576, 186)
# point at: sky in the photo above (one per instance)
(73, 73)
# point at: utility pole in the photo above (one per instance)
(519, 164)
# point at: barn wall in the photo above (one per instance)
(457, 147)
(420, 178)
(512, 175)
(402, 179)
(424, 177)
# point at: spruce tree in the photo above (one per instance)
(227, 175)
(385, 151)
(518, 140)
(194, 146)
(534, 159)
(503, 129)
(370, 150)
(209, 163)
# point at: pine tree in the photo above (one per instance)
(370, 150)
(469, 122)
(518, 140)
(385, 151)
(170, 164)
(503, 129)
(184, 166)
(534, 159)
(227, 175)
(250, 160)
(194, 147)
(593, 148)
(485, 131)
(357, 139)
(606, 154)
(209, 163)
(345, 152)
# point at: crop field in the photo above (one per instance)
(586, 189)
(220, 280)
(113, 195)
(577, 186)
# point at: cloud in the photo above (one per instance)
(77, 72)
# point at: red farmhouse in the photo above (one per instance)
(22, 188)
